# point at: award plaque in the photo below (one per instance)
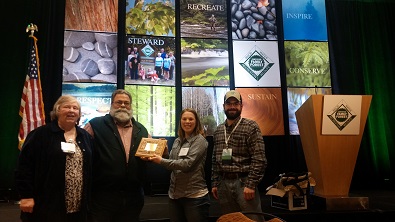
(149, 147)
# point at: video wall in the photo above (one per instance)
(202, 54)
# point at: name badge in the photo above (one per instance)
(183, 151)
(68, 147)
(226, 156)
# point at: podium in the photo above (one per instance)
(331, 158)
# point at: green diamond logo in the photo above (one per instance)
(256, 63)
(147, 50)
(341, 115)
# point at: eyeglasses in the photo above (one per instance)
(120, 103)
(232, 104)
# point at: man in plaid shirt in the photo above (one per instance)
(238, 161)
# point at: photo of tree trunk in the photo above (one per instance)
(91, 15)
(264, 106)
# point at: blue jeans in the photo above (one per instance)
(231, 198)
(189, 209)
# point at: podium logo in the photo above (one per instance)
(256, 63)
(341, 115)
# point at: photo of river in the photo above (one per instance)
(205, 68)
(203, 31)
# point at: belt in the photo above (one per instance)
(234, 176)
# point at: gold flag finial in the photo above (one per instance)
(32, 28)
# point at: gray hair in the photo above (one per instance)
(120, 91)
(62, 100)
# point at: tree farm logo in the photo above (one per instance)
(341, 115)
(256, 63)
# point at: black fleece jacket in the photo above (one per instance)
(111, 172)
(40, 173)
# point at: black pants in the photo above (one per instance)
(53, 216)
(116, 206)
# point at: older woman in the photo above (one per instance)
(54, 167)
(189, 199)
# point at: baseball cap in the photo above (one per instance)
(234, 94)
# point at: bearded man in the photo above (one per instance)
(238, 161)
(117, 185)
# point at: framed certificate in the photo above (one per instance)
(149, 146)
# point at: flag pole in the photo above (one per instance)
(32, 105)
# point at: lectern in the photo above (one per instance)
(331, 158)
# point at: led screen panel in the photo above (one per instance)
(307, 64)
(149, 50)
(208, 103)
(154, 107)
(95, 98)
(90, 57)
(91, 15)
(256, 64)
(204, 62)
(296, 97)
(150, 17)
(304, 20)
(264, 105)
(254, 20)
(203, 19)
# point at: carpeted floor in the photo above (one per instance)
(381, 208)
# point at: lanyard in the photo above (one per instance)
(227, 138)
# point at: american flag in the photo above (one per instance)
(32, 106)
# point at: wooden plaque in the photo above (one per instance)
(149, 147)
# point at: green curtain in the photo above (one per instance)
(48, 15)
(361, 42)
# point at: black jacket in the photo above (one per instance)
(111, 171)
(40, 172)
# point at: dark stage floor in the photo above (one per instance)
(381, 208)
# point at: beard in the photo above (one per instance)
(232, 116)
(121, 115)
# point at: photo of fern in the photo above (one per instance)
(296, 97)
(307, 64)
(150, 17)
(203, 19)
(204, 62)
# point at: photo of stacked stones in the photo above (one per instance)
(90, 57)
(253, 19)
